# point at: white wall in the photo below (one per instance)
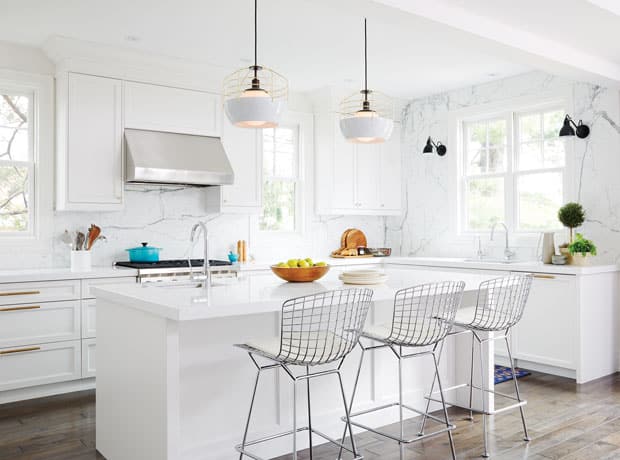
(427, 228)
(163, 216)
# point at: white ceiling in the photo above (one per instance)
(312, 42)
(575, 37)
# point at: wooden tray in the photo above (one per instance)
(365, 256)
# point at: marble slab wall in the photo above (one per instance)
(163, 217)
(425, 229)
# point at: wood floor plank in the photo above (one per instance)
(566, 421)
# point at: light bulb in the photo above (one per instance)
(365, 114)
(255, 93)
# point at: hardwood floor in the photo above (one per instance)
(566, 421)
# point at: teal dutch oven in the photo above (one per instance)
(144, 253)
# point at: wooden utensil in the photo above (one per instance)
(93, 233)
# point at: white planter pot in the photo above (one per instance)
(582, 261)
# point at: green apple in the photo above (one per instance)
(303, 264)
(320, 264)
(283, 265)
(309, 260)
(292, 263)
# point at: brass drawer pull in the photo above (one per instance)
(30, 307)
(543, 277)
(19, 350)
(5, 294)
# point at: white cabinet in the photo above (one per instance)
(89, 143)
(548, 329)
(356, 179)
(244, 150)
(89, 355)
(39, 291)
(31, 365)
(43, 323)
(164, 108)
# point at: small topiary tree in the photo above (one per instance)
(572, 216)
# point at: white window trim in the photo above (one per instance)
(40, 87)
(455, 166)
(304, 196)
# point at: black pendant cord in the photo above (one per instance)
(365, 62)
(255, 39)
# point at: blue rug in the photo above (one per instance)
(503, 374)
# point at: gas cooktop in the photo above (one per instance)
(176, 263)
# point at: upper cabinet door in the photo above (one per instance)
(342, 173)
(391, 173)
(163, 108)
(90, 154)
(243, 147)
(368, 167)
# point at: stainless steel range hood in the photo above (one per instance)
(168, 158)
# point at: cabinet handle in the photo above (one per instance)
(543, 277)
(5, 294)
(19, 350)
(31, 307)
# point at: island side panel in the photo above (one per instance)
(137, 384)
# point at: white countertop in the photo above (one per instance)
(530, 267)
(62, 273)
(260, 292)
(454, 262)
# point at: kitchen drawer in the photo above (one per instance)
(35, 292)
(89, 354)
(89, 318)
(40, 364)
(27, 324)
(87, 285)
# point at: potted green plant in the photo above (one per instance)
(572, 216)
(582, 250)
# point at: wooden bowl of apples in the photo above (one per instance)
(300, 270)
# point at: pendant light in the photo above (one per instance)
(255, 97)
(367, 117)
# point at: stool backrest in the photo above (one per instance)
(501, 302)
(424, 314)
(324, 327)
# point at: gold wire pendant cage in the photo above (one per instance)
(273, 83)
(379, 103)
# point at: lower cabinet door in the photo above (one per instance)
(89, 362)
(40, 364)
(546, 333)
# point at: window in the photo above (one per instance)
(281, 171)
(513, 171)
(16, 164)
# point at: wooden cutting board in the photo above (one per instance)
(355, 238)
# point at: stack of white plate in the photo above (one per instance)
(363, 277)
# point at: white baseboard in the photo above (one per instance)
(41, 391)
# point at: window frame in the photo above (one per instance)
(297, 179)
(41, 89)
(30, 164)
(508, 109)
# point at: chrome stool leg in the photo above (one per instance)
(471, 380)
(443, 403)
(428, 400)
(247, 423)
(309, 413)
(357, 378)
(294, 419)
(526, 437)
(485, 434)
(400, 402)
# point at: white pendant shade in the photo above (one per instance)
(254, 110)
(366, 129)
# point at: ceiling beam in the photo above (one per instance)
(525, 47)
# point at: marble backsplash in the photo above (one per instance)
(163, 217)
(425, 229)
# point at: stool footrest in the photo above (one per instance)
(241, 448)
(519, 402)
(396, 438)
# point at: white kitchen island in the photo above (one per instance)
(170, 384)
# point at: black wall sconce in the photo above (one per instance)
(438, 146)
(569, 128)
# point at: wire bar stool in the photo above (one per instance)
(423, 316)
(500, 305)
(315, 330)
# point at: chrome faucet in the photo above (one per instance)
(192, 238)
(508, 253)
